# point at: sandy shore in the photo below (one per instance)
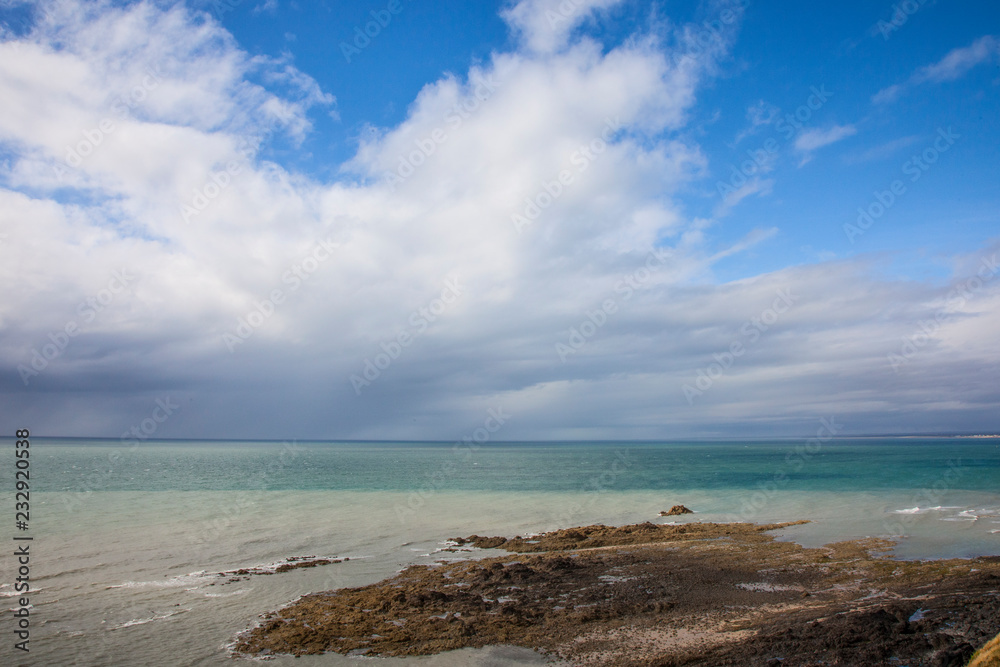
(646, 594)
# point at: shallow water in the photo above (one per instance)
(127, 548)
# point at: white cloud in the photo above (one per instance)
(761, 114)
(545, 25)
(959, 61)
(270, 6)
(810, 140)
(888, 94)
(173, 189)
(755, 185)
(884, 150)
(953, 66)
(501, 137)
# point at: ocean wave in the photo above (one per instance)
(979, 513)
(143, 621)
(226, 595)
(173, 582)
(964, 513)
(923, 510)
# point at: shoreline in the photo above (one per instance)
(653, 594)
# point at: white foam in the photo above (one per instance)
(966, 513)
(226, 595)
(273, 566)
(173, 582)
(143, 621)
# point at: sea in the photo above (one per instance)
(128, 540)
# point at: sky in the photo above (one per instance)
(518, 220)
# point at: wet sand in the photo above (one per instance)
(647, 594)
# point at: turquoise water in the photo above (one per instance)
(128, 541)
(847, 465)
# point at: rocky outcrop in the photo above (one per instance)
(292, 563)
(696, 594)
(676, 510)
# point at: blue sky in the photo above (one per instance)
(611, 219)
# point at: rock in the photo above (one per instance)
(480, 542)
(955, 656)
(677, 509)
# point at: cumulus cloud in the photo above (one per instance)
(545, 26)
